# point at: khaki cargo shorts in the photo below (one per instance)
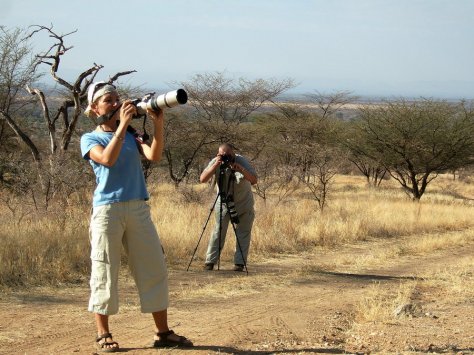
(126, 224)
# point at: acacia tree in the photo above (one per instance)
(319, 156)
(184, 141)
(326, 163)
(17, 69)
(75, 92)
(218, 106)
(415, 141)
(373, 172)
(329, 104)
(48, 135)
(359, 154)
(300, 150)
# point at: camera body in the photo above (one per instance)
(163, 101)
(227, 159)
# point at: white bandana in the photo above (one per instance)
(93, 94)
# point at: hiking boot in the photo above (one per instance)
(209, 266)
(238, 267)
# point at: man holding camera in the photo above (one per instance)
(235, 177)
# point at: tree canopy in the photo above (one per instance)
(415, 141)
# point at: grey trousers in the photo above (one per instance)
(243, 234)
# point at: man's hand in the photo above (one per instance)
(218, 160)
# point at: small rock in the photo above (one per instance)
(407, 309)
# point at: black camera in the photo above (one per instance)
(227, 159)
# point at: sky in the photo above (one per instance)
(382, 48)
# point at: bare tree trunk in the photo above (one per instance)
(24, 138)
(47, 117)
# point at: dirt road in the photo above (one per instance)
(288, 305)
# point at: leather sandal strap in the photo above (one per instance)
(165, 334)
(103, 336)
(106, 343)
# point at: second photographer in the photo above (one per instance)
(235, 176)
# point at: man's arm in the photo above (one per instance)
(209, 172)
(249, 176)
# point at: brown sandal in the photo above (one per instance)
(164, 340)
(106, 347)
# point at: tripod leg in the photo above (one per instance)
(202, 233)
(218, 237)
(239, 247)
(219, 222)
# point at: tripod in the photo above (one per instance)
(226, 199)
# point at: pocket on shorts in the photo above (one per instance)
(98, 255)
(99, 268)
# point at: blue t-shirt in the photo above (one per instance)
(124, 181)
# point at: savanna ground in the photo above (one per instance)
(375, 273)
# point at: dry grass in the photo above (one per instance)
(455, 283)
(54, 250)
(382, 311)
(44, 251)
(427, 243)
(381, 305)
(241, 285)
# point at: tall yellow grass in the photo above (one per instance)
(44, 251)
(55, 250)
(354, 213)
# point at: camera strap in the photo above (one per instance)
(104, 118)
(139, 138)
(229, 191)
